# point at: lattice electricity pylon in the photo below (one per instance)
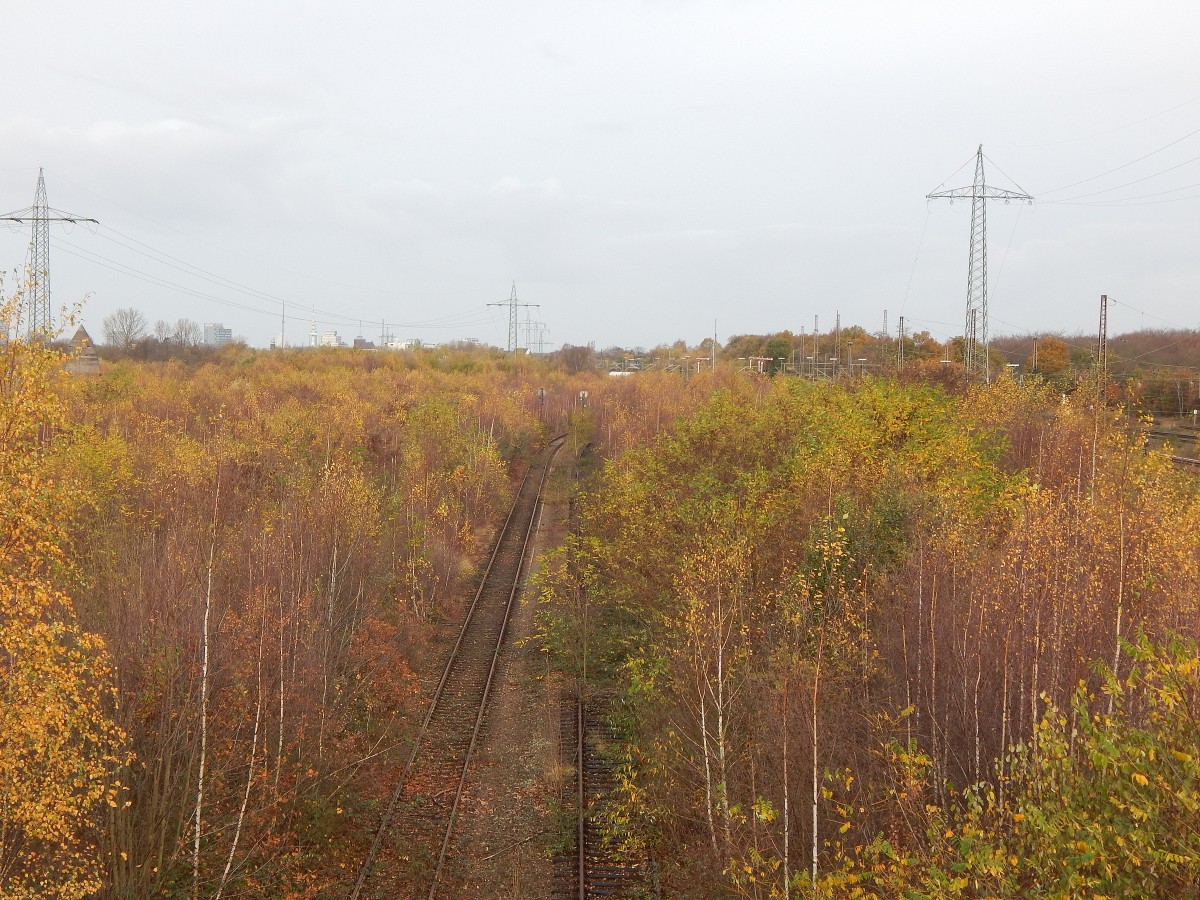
(1102, 346)
(38, 270)
(975, 329)
(514, 323)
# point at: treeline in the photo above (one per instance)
(875, 639)
(1152, 371)
(217, 581)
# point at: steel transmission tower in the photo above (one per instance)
(514, 323)
(1102, 346)
(975, 329)
(40, 215)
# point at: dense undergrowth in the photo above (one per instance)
(879, 640)
(220, 578)
(866, 638)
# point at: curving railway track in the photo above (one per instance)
(413, 853)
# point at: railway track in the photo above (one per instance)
(1182, 437)
(412, 853)
(593, 868)
(1179, 438)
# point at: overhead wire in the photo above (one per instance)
(1007, 247)
(1118, 204)
(257, 260)
(200, 272)
(1123, 165)
(1129, 183)
(952, 174)
(1107, 131)
(916, 256)
(1075, 345)
(992, 162)
(457, 320)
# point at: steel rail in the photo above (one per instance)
(594, 868)
(469, 620)
(555, 445)
(580, 798)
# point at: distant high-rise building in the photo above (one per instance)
(331, 339)
(216, 334)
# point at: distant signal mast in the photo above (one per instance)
(40, 215)
(975, 328)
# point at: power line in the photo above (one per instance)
(1117, 204)
(1129, 183)
(257, 260)
(1117, 200)
(1107, 131)
(1124, 165)
(916, 256)
(220, 280)
(456, 320)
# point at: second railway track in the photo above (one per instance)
(412, 853)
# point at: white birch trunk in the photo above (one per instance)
(199, 813)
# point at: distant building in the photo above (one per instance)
(86, 360)
(331, 339)
(216, 334)
(361, 343)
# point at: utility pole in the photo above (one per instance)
(40, 215)
(513, 320)
(1102, 347)
(541, 338)
(529, 326)
(900, 345)
(975, 346)
(837, 335)
(815, 356)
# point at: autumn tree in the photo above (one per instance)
(1053, 356)
(801, 576)
(59, 746)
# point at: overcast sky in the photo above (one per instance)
(638, 169)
